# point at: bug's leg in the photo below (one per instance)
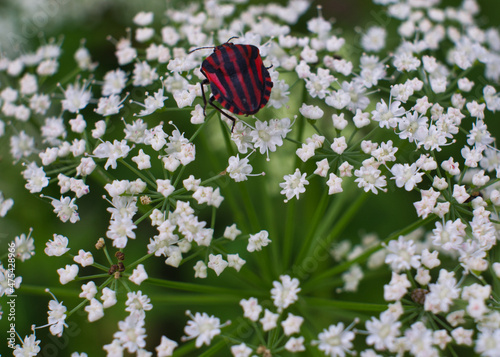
(211, 101)
(202, 83)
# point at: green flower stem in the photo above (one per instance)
(146, 214)
(202, 126)
(286, 246)
(100, 266)
(101, 176)
(198, 299)
(310, 285)
(78, 307)
(318, 216)
(356, 145)
(138, 261)
(175, 109)
(60, 292)
(137, 172)
(211, 179)
(250, 207)
(63, 81)
(179, 176)
(339, 226)
(185, 349)
(451, 350)
(214, 349)
(200, 288)
(90, 277)
(344, 305)
(248, 276)
(214, 214)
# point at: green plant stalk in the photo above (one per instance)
(362, 257)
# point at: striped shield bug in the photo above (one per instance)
(238, 79)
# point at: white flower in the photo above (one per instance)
(143, 74)
(138, 275)
(166, 347)
(137, 303)
(388, 116)
(295, 344)
(191, 183)
(397, 288)
(241, 350)
(112, 151)
(235, 261)
(265, 138)
(76, 97)
(202, 327)
(99, 130)
(58, 246)
(143, 18)
(402, 255)
(109, 105)
(269, 320)
(164, 187)
(114, 82)
(144, 34)
(334, 184)
(374, 39)
(217, 263)
(442, 293)
(108, 297)
(460, 193)
(95, 310)
(84, 258)
(306, 151)
(29, 347)
(88, 290)
(335, 341)
(238, 169)
(132, 333)
(384, 331)
(419, 340)
(488, 342)
(24, 247)
(56, 318)
(406, 175)
(231, 232)
(66, 209)
(257, 241)
(369, 177)
(251, 308)
(68, 273)
(339, 145)
(322, 167)
(292, 324)
(311, 111)
(285, 293)
(200, 270)
(294, 185)
(36, 178)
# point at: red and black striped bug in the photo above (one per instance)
(238, 79)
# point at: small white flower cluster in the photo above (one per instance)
(284, 294)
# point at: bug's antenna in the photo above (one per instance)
(231, 38)
(200, 48)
